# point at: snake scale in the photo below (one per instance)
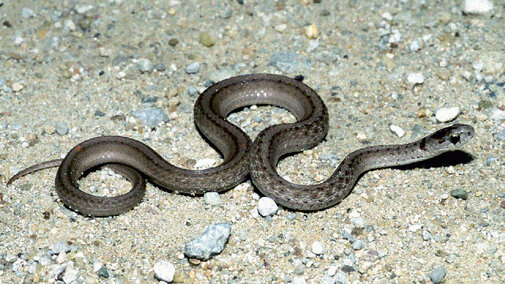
(242, 157)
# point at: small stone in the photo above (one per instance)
(414, 46)
(358, 222)
(438, 274)
(193, 68)
(16, 87)
(164, 271)
(151, 117)
(332, 270)
(447, 114)
(61, 128)
(477, 7)
(212, 198)
(267, 206)
(60, 247)
(415, 78)
(206, 39)
(205, 163)
(387, 16)
(289, 61)
(298, 280)
(500, 135)
(340, 278)
(498, 114)
(358, 244)
(209, 243)
(70, 275)
(311, 31)
(459, 194)
(103, 272)
(27, 13)
(397, 130)
(83, 9)
(426, 235)
(145, 65)
(318, 248)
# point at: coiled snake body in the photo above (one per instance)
(241, 156)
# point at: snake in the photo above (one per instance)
(242, 157)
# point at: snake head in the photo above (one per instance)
(448, 138)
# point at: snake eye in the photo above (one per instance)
(455, 139)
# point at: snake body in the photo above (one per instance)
(241, 156)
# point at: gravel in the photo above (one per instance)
(209, 243)
(73, 70)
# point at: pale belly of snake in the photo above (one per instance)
(242, 158)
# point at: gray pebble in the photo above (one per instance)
(27, 13)
(426, 235)
(298, 280)
(60, 247)
(164, 271)
(459, 193)
(212, 198)
(438, 274)
(340, 278)
(220, 75)
(291, 216)
(299, 269)
(145, 65)
(103, 272)
(193, 68)
(192, 91)
(151, 117)
(160, 67)
(500, 135)
(61, 128)
(210, 242)
(289, 61)
(357, 245)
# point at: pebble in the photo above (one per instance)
(16, 87)
(358, 244)
(318, 248)
(477, 7)
(27, 13)
(415, 78)
(500, 135)
(289, 61)
(209, 243)
(164, 271)
(397, 130)
(498, 114)
(459, 193)
(358, 222)
(438, 274)
(61, 128)
(332, 270)
(206, 39)
(340, 278)
(426, 235)
(267, 206)
(311, 31)
(298, 280)
(145, 65)
(151, 117)
(103, 272)
(212, 198)
(447, 114)
(70, 275)
(414, 46)
(193, 68)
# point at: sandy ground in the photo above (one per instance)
(73, 70)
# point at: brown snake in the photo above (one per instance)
(241, 157)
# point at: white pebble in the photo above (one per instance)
(332, 270)
(387, 16)
(212, 198)
(318, 248)
(467, 75)
(164, 270)
(397, 130)
(298, 280)
(415, 78)
(267, 206)
(477, 7)
(414, 46)
(415, 228)
(447, 114)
